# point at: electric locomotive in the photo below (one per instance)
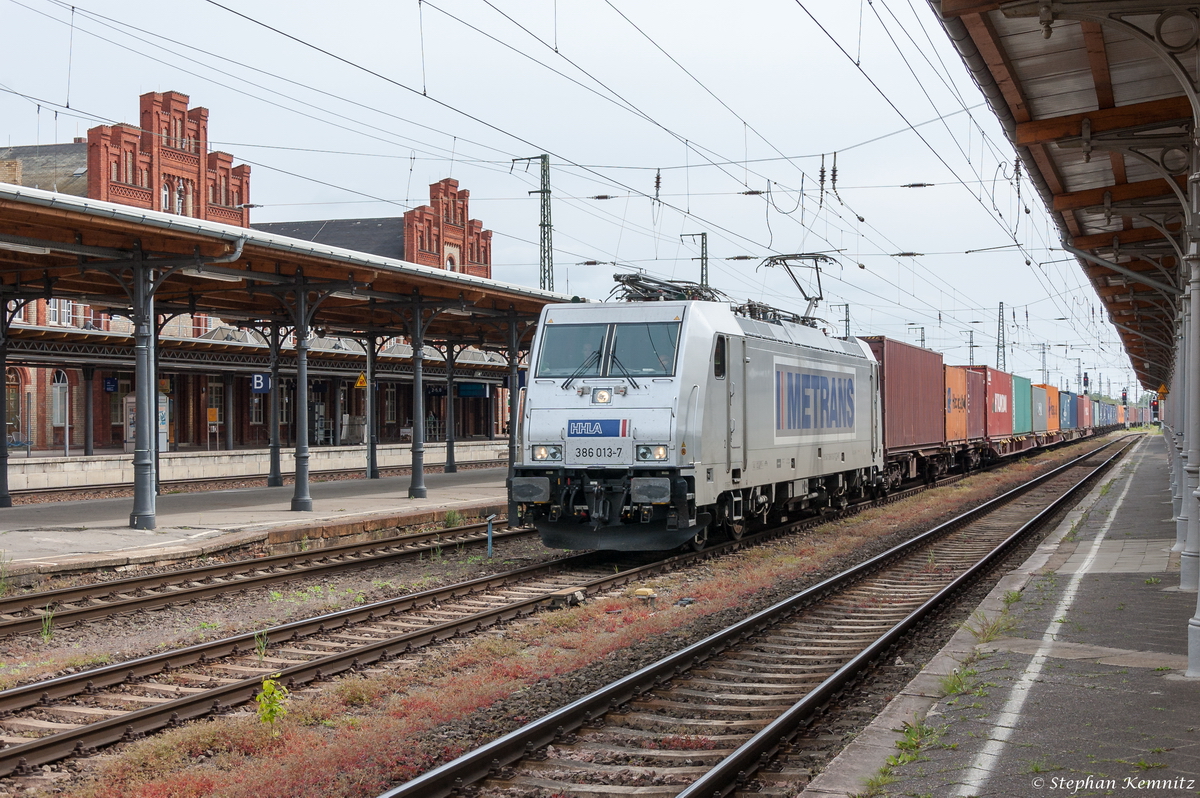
(647, 425)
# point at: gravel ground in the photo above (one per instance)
(138, 634)
(27, 658)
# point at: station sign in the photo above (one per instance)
(260, 383)
(110, 384)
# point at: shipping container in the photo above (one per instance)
(1051, 408)
(1120, 414)
(976, 406)
(1022, 409)
(911, 383)
(998, 414)
(1066, 410)
(1084, 412)
(956, 404)
(1037, 407)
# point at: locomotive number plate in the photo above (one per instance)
(592, 453)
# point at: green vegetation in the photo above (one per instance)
(272, 702)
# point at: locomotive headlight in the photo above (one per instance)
(602, 396)
(547, 452)
(645, 452)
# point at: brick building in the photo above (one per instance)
(441, 234)
(163, 164)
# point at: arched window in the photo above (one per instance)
(12, 402)
(450, 263)
(166, 198)
(59, 398)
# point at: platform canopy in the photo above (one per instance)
(82, 249)
(1091, 95)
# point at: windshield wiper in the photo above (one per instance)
(582, 368)
(616, 361)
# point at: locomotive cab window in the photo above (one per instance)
(572, 350)
(719, 358)
(634, 350)
(644, 350)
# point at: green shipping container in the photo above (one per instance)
(1022, 410)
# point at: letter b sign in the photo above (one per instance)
(260, 383)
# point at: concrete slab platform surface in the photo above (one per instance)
(43, 534)
(1084, 694)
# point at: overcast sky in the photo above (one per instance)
(673, 109)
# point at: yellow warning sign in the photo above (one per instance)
(362, 380)
(1162, 389)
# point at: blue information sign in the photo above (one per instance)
(110, 384)
(260, 383)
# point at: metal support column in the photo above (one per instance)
(451, 353)
(301, 499)
(6, 316)
(89, 412)
(1189, 558)
(514, 380)
(416, 486)
(372, 344)
(227, 382)
(275, 477)
(156, 324)
(144, 324)
(336, 387)
(1175, 440)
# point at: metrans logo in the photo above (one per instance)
(601, 428)
(810, 402)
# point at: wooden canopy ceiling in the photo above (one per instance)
(1104, 128)
(70, 247)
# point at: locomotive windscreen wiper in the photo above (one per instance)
(594, 356)
(616, 361)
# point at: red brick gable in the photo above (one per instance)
(165, 165)
(442, 234)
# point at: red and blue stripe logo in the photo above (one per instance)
(598, 428)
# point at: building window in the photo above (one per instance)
(18, 315)
(256, 409)
(450, 263)
(216, 398)
(389, 404)
(12, 401)
(116, 401)
(285, 407)
(166, 198)
(59, 399)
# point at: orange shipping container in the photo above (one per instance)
(1121, 414)
(1051, 408)
(956, 404)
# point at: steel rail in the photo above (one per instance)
(732, 771)
(491, 757)
(86, 739)
(236, 576)
(133, 725)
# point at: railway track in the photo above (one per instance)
(217, 483)
(27, 612)
(78, 713)
(716, 718)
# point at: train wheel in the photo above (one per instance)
(700, 540)
(734, 529)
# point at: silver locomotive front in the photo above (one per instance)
(599, 462)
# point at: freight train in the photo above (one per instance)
(647, 425)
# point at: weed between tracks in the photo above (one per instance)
(364, 733)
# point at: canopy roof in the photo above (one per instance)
(1103, 125)
(73, 247)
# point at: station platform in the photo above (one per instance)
(107, 467)
(1082, 690)
(55, 537)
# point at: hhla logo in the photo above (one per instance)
(1000, 403)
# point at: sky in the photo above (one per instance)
(690, 117)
